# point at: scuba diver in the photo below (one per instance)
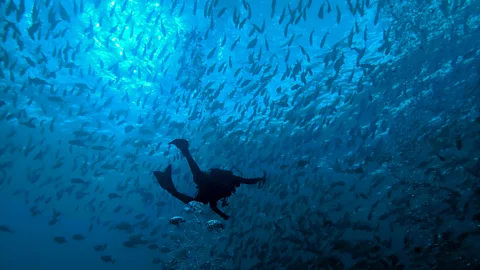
(212, 186)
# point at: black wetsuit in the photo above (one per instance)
(212, 186)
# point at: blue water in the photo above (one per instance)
(364, 116)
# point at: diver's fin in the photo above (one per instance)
(181, 144)
(165, 179)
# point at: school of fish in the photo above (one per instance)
(365, 114)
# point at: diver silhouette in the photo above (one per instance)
(212, 186)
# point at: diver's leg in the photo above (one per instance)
(182, 145)
(182, 197)
(165, 181)
(197, 173)
(213, 206)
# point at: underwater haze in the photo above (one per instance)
(364, 114)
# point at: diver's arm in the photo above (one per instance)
(250, 181)
(213, 206)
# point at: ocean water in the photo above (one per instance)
(363, 114)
